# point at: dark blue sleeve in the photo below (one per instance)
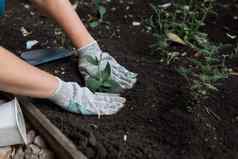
(2, 7)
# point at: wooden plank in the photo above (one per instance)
(59, 143)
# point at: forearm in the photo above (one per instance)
(20, 78)
(63, 13)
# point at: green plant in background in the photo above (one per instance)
(102, 82)
(182, 22)
(183, 18)
(101, 10)
(204, 75)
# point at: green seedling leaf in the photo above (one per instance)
(102, 11)
(93, 24)
(92, 60)
(93, 84)
(184, 72)
(110, 86)
(114, 84)
(106, 73)
(97, 2)
(209, 86)
(107, 84)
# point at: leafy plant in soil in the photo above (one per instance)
(101, 11)
(203, 73)
(181, 23)
(183, 18)
(102, 82)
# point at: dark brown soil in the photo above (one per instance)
(158, 120)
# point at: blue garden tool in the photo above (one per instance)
(42, 56)
(2, 7)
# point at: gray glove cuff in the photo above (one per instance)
(91, 49)
(62, 94)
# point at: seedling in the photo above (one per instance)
(101, 10)
(102, 82)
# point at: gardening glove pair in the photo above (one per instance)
(71, 97)
(93, 62)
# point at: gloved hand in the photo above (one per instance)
(119, 74)
(71, 97)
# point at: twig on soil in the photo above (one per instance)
(209, 111)
(234, 73)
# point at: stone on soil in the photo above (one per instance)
(29, 153)
(5, 152)
(35, 149)
(46, 154)
(92, 139)
(19, 153)
(39, 142)
(31, 136)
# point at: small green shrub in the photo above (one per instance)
(101, 10)
(182, 22)
(183, 18)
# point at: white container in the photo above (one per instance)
(12, 124)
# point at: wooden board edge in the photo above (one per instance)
(59, 143)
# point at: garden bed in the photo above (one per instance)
(155, 122)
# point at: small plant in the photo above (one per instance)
(183, 18)
(102, 82)
(181, 23)
(204, 74)
(101, 11)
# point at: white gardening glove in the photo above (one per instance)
(124, 78)
(71, 97)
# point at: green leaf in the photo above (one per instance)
(209, 86)
(93, 84)
(93, 24)
(184, 72)
(102, 11)
(110, 86)
(98, 2)
(107, 84)
(114, 85)
(106, 74)
(92, 60)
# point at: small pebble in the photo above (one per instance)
(136, 23)
(19, 153)
(56, 71)
(46, 154)
(27, 6)
(92, 139)
(35, 149)
(31, 156)
(39, 142)
(5, 152)
(31, 136)
(125, 138)
(166, 5)
(130, 16)
(28, 153)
